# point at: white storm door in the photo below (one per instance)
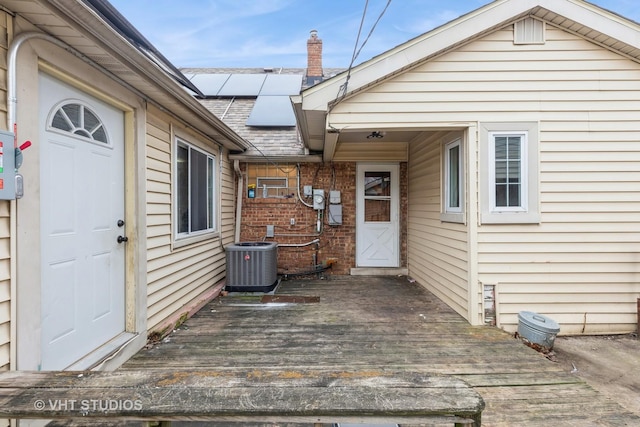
(377, 215)
(81, 202)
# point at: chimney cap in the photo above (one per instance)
(314, 34)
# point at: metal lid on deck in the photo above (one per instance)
(539, 322)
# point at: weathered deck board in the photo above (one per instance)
(227, 395)
(372, 323)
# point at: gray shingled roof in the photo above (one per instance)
(234, 112)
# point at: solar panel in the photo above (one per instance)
(243, 85)
(272, 110)
(209, 84)
(282, 84)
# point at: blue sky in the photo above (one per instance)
(273, 33)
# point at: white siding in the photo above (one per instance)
(437, 251)
(177, 276)
(580, 264)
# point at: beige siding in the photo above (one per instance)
(580, 264)
(5, 252)
(178, 275)
(437, 251)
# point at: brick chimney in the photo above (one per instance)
(314, 57)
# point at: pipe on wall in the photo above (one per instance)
(298, 245)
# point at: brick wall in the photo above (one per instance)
(335, 242)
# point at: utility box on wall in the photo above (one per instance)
(335, 214)
(7, 166)
(318, 199)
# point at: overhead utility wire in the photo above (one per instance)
(342, 91)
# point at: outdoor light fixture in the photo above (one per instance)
(375, 134)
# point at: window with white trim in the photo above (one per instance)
(509, 172)
(195, 190)
(453, 181)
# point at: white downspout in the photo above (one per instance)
(236, 167)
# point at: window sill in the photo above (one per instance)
(511, 218)
(457, 218)
(190, 240)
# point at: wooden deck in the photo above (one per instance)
(375, 323)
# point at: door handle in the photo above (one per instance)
(122, 239)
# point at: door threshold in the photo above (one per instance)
(379, 271)
(98, 358)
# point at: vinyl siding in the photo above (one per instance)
(178, 275)
(437, 251)
(580, 264)
(5, 251)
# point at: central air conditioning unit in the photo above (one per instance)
(252, 267)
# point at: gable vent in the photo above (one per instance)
(528, 31)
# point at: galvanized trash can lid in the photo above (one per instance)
(539, 322)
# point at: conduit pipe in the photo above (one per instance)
(298, 245)
(298, 187)
(12, 126)
(17, 42)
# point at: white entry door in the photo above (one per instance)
(81, 204)
(377, 215)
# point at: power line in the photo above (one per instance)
(342, 91)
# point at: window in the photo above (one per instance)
(195, 195)
(509, 170)
(273, 180)
(453, 177)
(377, 196)
(508, 174)
(79, 120)
(273, 187)
(453, 181)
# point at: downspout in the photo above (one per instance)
(219, 202)
(236, 167)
